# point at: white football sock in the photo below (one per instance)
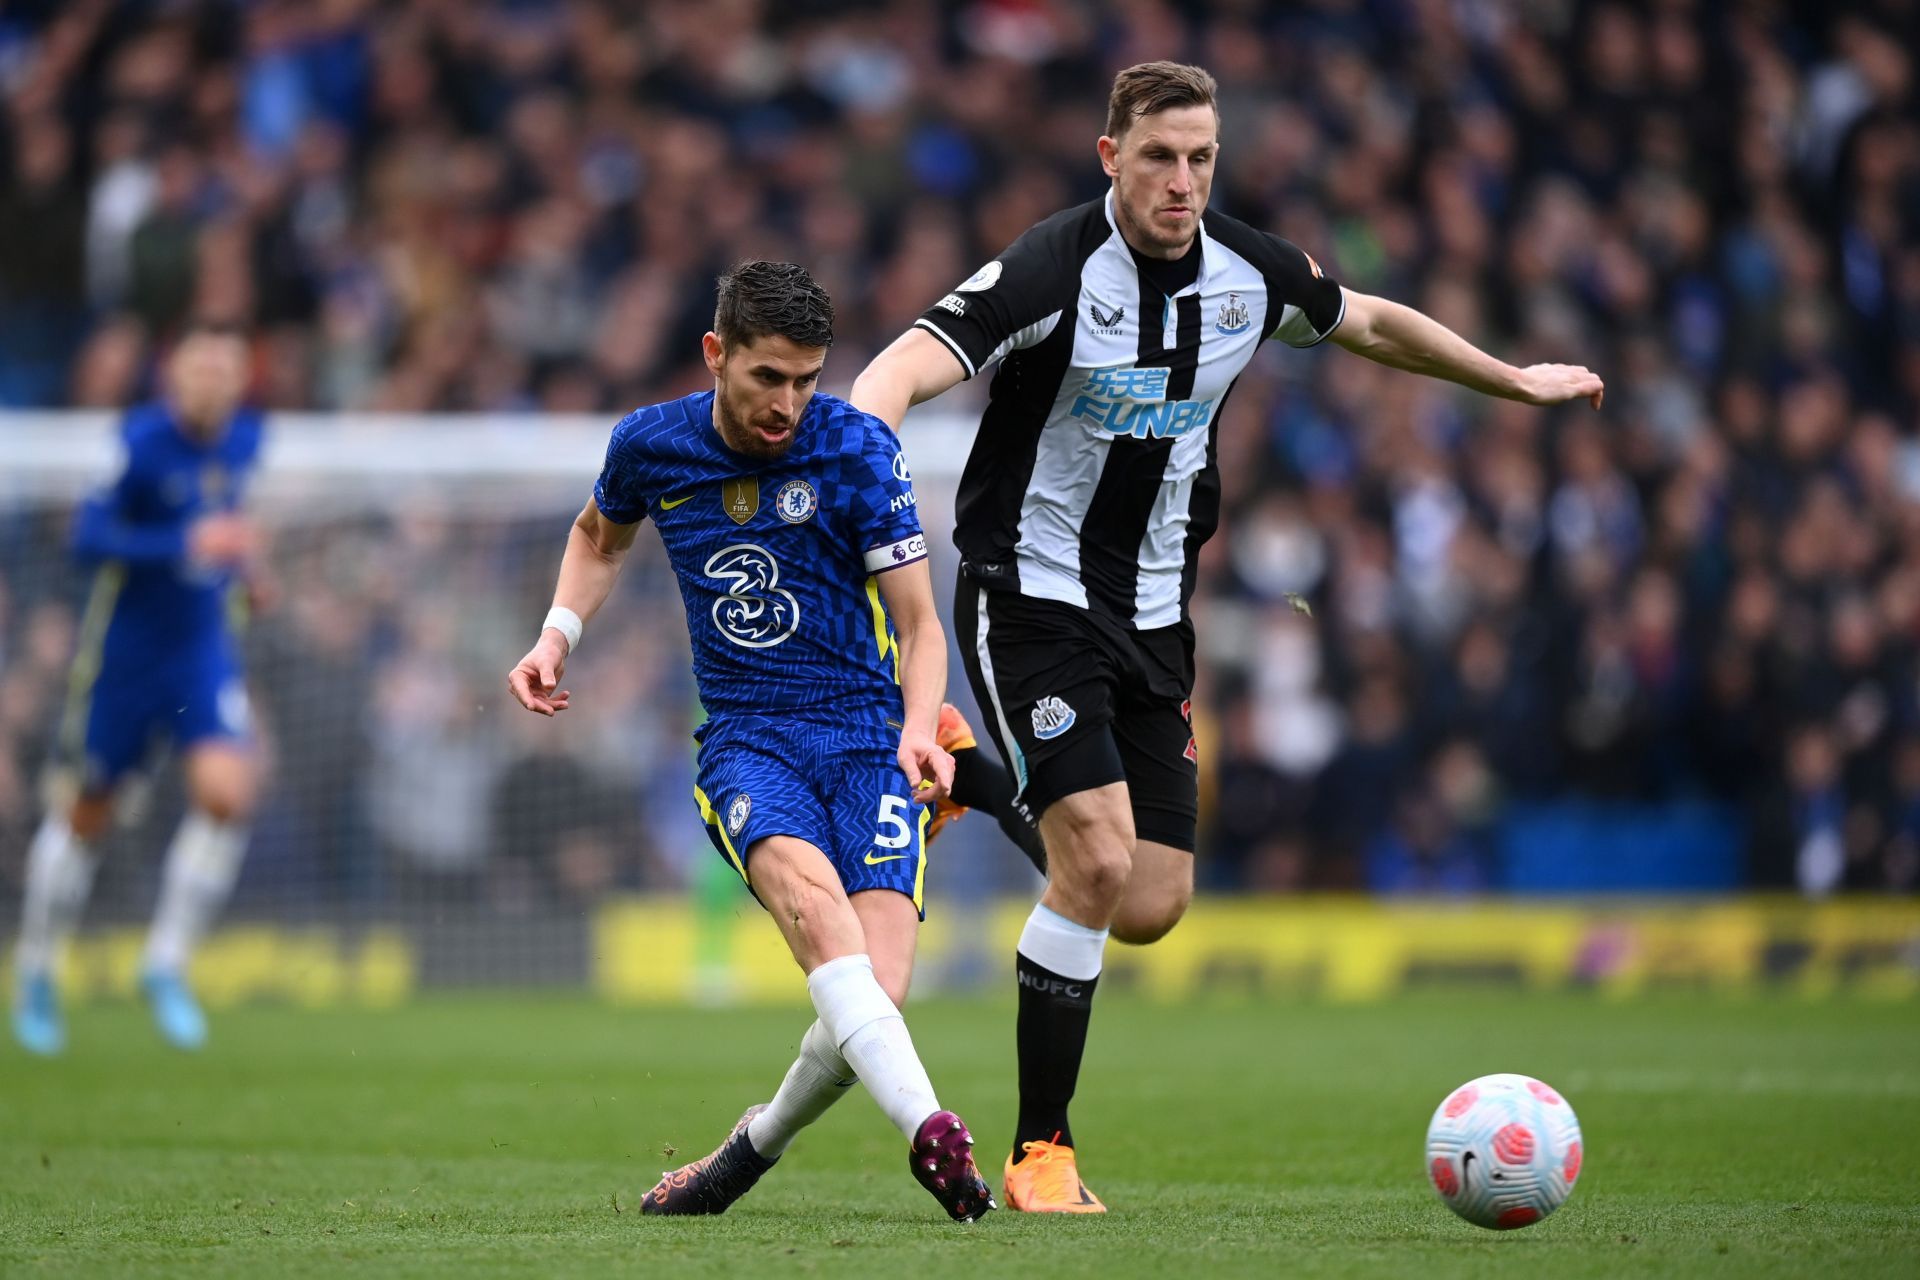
(60, 870)
(818, 1078)
(871, 1035)
(1063, 946)
(202, 864)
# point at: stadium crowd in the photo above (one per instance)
(1709, 591)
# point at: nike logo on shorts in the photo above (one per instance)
(892, 857)
(670, 504)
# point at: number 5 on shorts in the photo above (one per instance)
(896, 829)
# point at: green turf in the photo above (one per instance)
(514, 1136)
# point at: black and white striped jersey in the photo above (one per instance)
(1094, 478)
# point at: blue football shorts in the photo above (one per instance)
(846, 797)
(132, 708)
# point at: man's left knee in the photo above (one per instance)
(1151, 916)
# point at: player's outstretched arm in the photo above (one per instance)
(596, 548)
(1403, 338)
(915, 369)
(908, 594)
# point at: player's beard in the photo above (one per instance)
(1170, 240)
(743, 439)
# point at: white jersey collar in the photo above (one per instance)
(1211, 257)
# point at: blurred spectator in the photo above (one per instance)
(42, 264)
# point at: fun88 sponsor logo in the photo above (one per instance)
(1132, 402)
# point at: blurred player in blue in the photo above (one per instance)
(790, 521)
(157, 664)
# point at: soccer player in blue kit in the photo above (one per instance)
(157, 662)
(789, 518)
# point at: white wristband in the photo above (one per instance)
(567, 623)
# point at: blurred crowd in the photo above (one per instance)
(1709, 593)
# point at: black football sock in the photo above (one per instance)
(980, 783)
(1051, 1036)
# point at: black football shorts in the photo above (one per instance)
(1077, 700)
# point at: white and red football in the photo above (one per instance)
(1503, 1151)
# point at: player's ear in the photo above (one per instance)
(714, 350)
(1109, 149)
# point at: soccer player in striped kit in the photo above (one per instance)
(1119, 328)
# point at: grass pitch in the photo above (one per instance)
(515, 1136)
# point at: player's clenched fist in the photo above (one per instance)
(1557, 383)
(927, 767)
(537, 676)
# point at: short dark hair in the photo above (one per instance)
(1153, 87)
(758, 298)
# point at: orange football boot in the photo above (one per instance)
(952, 733)
(1047, 1180)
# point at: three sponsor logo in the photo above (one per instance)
(757, 612)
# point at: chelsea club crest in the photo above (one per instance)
(796, 502)
(737, 813)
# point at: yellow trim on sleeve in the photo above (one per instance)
(883, 636)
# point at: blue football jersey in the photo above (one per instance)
(776, 560)
(136, 531)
